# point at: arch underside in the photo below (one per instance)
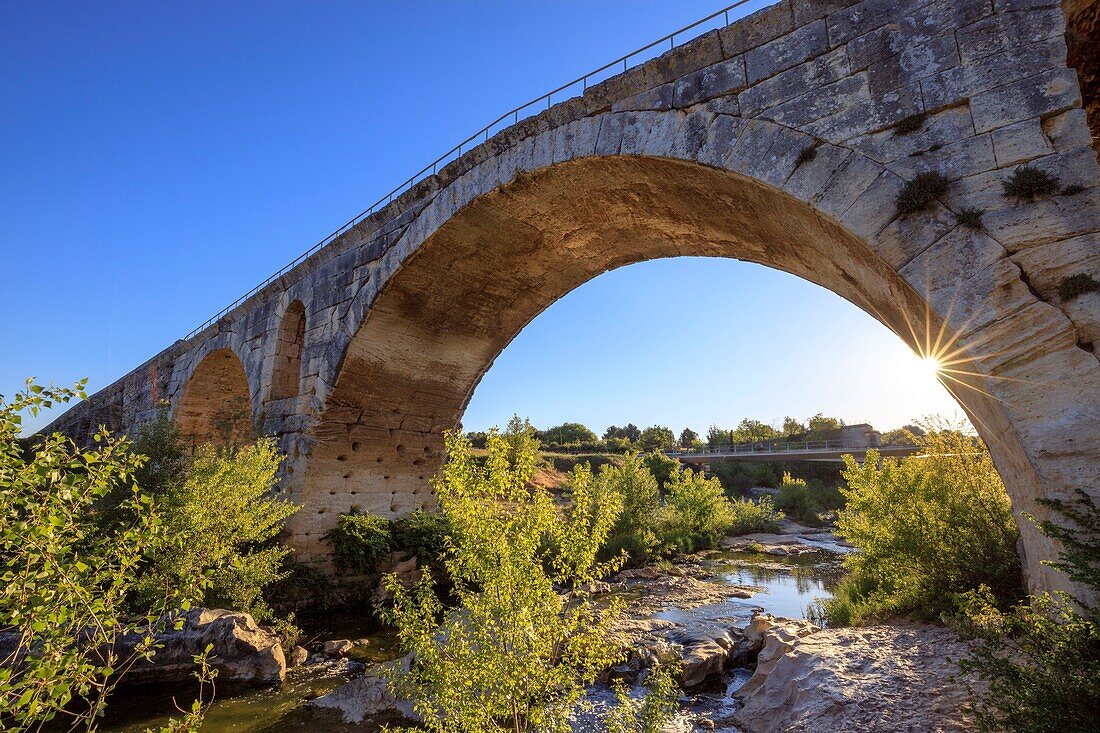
(215, 406)
(455, 304)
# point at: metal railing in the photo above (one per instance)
(479, 137)
(771, 447)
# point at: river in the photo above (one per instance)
(787, 586)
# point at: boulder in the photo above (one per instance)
(368, 696)
(242, 651)
(298, 656)
(880, 678)
(338, 647)
(770, 638)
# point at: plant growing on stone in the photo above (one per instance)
(969, 217)
(67, 573)
(910, 124)
(805, 155)
(360, 541)
(920, 193)
(1077, 285)
(525, 638)
(647, 713)
(1041, 658)
(927, 527)
(1026, 183)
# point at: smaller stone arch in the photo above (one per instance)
(286, 370)
(215, 406)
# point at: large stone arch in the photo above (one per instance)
(497, 247)
(791, 131)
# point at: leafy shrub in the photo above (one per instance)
(360, 541)
(697, 512)
(635, 528)
(969, 217)
(737, 477)
(233, 546)
(1026, 183)
(1077, 285)
(515, 653)
(663, 468)
(422, 534)
(794, 499)
(920, 193)
(651, 712)
(753, 516)
(927, 527)
(69, 568)
(1041, 659)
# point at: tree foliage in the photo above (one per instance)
(657, 438)
(567, 433)
(633, 486)
(515, 653)
(68, 574)
(927, 527)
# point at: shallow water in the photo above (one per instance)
(787, 587)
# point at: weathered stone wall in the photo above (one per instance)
(782, 139)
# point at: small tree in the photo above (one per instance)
(697, 511)
(515, 653)
(635, 529)
(657, 437)
(716, 436)
(688, 438)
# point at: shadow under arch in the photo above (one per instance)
(442, 318)
(215, 405)
(286, 371)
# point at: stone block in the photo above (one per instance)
(937, 131)
(1024, 224)
(860, 18)
(966, 157)
(721, 137)
(1052, 91)
(810, 10)
(808, 179)
(851, 91)
(787, 85)
(611, 133)
(757, 29)
(1068, 130)
(1008, 30)
(652, 99)
(905, 237)
(912, 63)
(1020, 143)
(850, 179)
(691, 135)
(966, 81)
(726, 77)
(1046, 265)
(786, 51)
(967, 280)
(776, 165)
(698, 53)
(859, 117)
(751, 146)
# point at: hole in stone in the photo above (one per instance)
(378, 460)
(400, 448)
(355, 446)
(386, 477)
(341, 458)
(290, 469)
(347, 475)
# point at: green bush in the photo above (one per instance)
(663, 468)
(221, 521)
(422, 534)
(696, 513)
(753, 516)
(927, 527)
(635, 529)
(794, 500)
(360, 541)
(76, 531)
(1041, 659)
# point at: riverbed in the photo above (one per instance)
(782, 585)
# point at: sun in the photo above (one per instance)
(931, 365)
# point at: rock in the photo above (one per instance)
(771, 638)
(242, 651)
(338, 647)
(367, 697)
(881, 678)
(298, 656)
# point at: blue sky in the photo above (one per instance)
(157, 160)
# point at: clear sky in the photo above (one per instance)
(157, 160)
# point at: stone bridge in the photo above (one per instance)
(783, 139)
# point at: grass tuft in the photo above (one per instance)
(910, 124)
(807, 154)
(1072, 190)
(1076, 285)
(1026, 183)
(970, 217)
(921, 192)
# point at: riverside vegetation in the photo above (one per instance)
(116, 539)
